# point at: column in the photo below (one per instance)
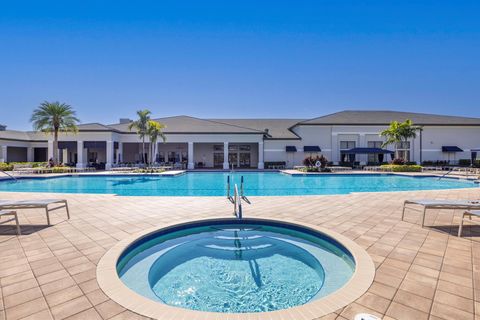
(335, 150)
(50, 150)
(80, 155)
(120, 152)
(4, 157)
(110, 150)
(225, 156)
(191, 163)
(260, 155)
(65, 155)
(363, 158)
(30, 154)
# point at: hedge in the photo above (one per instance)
(403, 168)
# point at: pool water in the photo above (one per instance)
(236, 268)
(214, 184)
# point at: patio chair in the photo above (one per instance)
(15, 218)
(36, 204)
(439, 204)
(469, 214)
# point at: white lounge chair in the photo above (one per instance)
(439, 204)
(15, 218)
(35, 204)
(469, 214)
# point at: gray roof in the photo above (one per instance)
(186, 124)
(94, 127)
(361, 117)
(277, 128)
(23, 135)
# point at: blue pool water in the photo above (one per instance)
(241, 267)
(214, 184)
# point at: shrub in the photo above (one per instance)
(6, 166)
(312, 161)
(398, 161)
(464, 162)
(403, 168)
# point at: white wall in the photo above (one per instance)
(326, 137)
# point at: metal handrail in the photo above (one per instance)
(228, 187)
(12, 177)
(451, 170)
(241, 187)
(237, 203)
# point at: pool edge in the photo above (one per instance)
(115, 289)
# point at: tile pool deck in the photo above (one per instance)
(49, 272)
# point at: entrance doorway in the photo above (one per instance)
(218, 160)
(239, 155)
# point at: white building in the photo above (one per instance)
(253, 143)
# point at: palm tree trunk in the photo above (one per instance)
(143, 151)
(55, 147)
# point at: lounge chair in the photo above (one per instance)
(469, 214)
(15, 218)
(440, 204)
(35, 204)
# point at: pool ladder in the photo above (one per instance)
(237, 197)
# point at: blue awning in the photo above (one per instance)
(367, 151)
(291, 149)
(451, 149)
(311, 149)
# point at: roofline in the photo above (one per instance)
(387, 124)
(258, 132)
(22, 140)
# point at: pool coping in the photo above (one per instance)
(116, 290)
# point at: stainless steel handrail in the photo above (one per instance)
(237, 203)
(451, 170)
(228, 187)
(12, 177)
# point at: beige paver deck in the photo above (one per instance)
(49, 272)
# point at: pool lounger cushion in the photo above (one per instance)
(469, 214)
(440, 204)
(36, 204)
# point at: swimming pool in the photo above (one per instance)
(228, 265)
(236, 268)
(214, 184)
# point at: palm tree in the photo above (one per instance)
(52, 117)
(154, 130)
(141, 126)
(399, 132)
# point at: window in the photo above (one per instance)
(375, 158)
(218, 148)
(245, 147)
(347, 145)
(403, 150)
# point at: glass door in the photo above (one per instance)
(233, 159)
(218, 160)
(244, 160)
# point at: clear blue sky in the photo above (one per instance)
(238, 58)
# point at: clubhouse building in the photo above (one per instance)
(346, 136)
